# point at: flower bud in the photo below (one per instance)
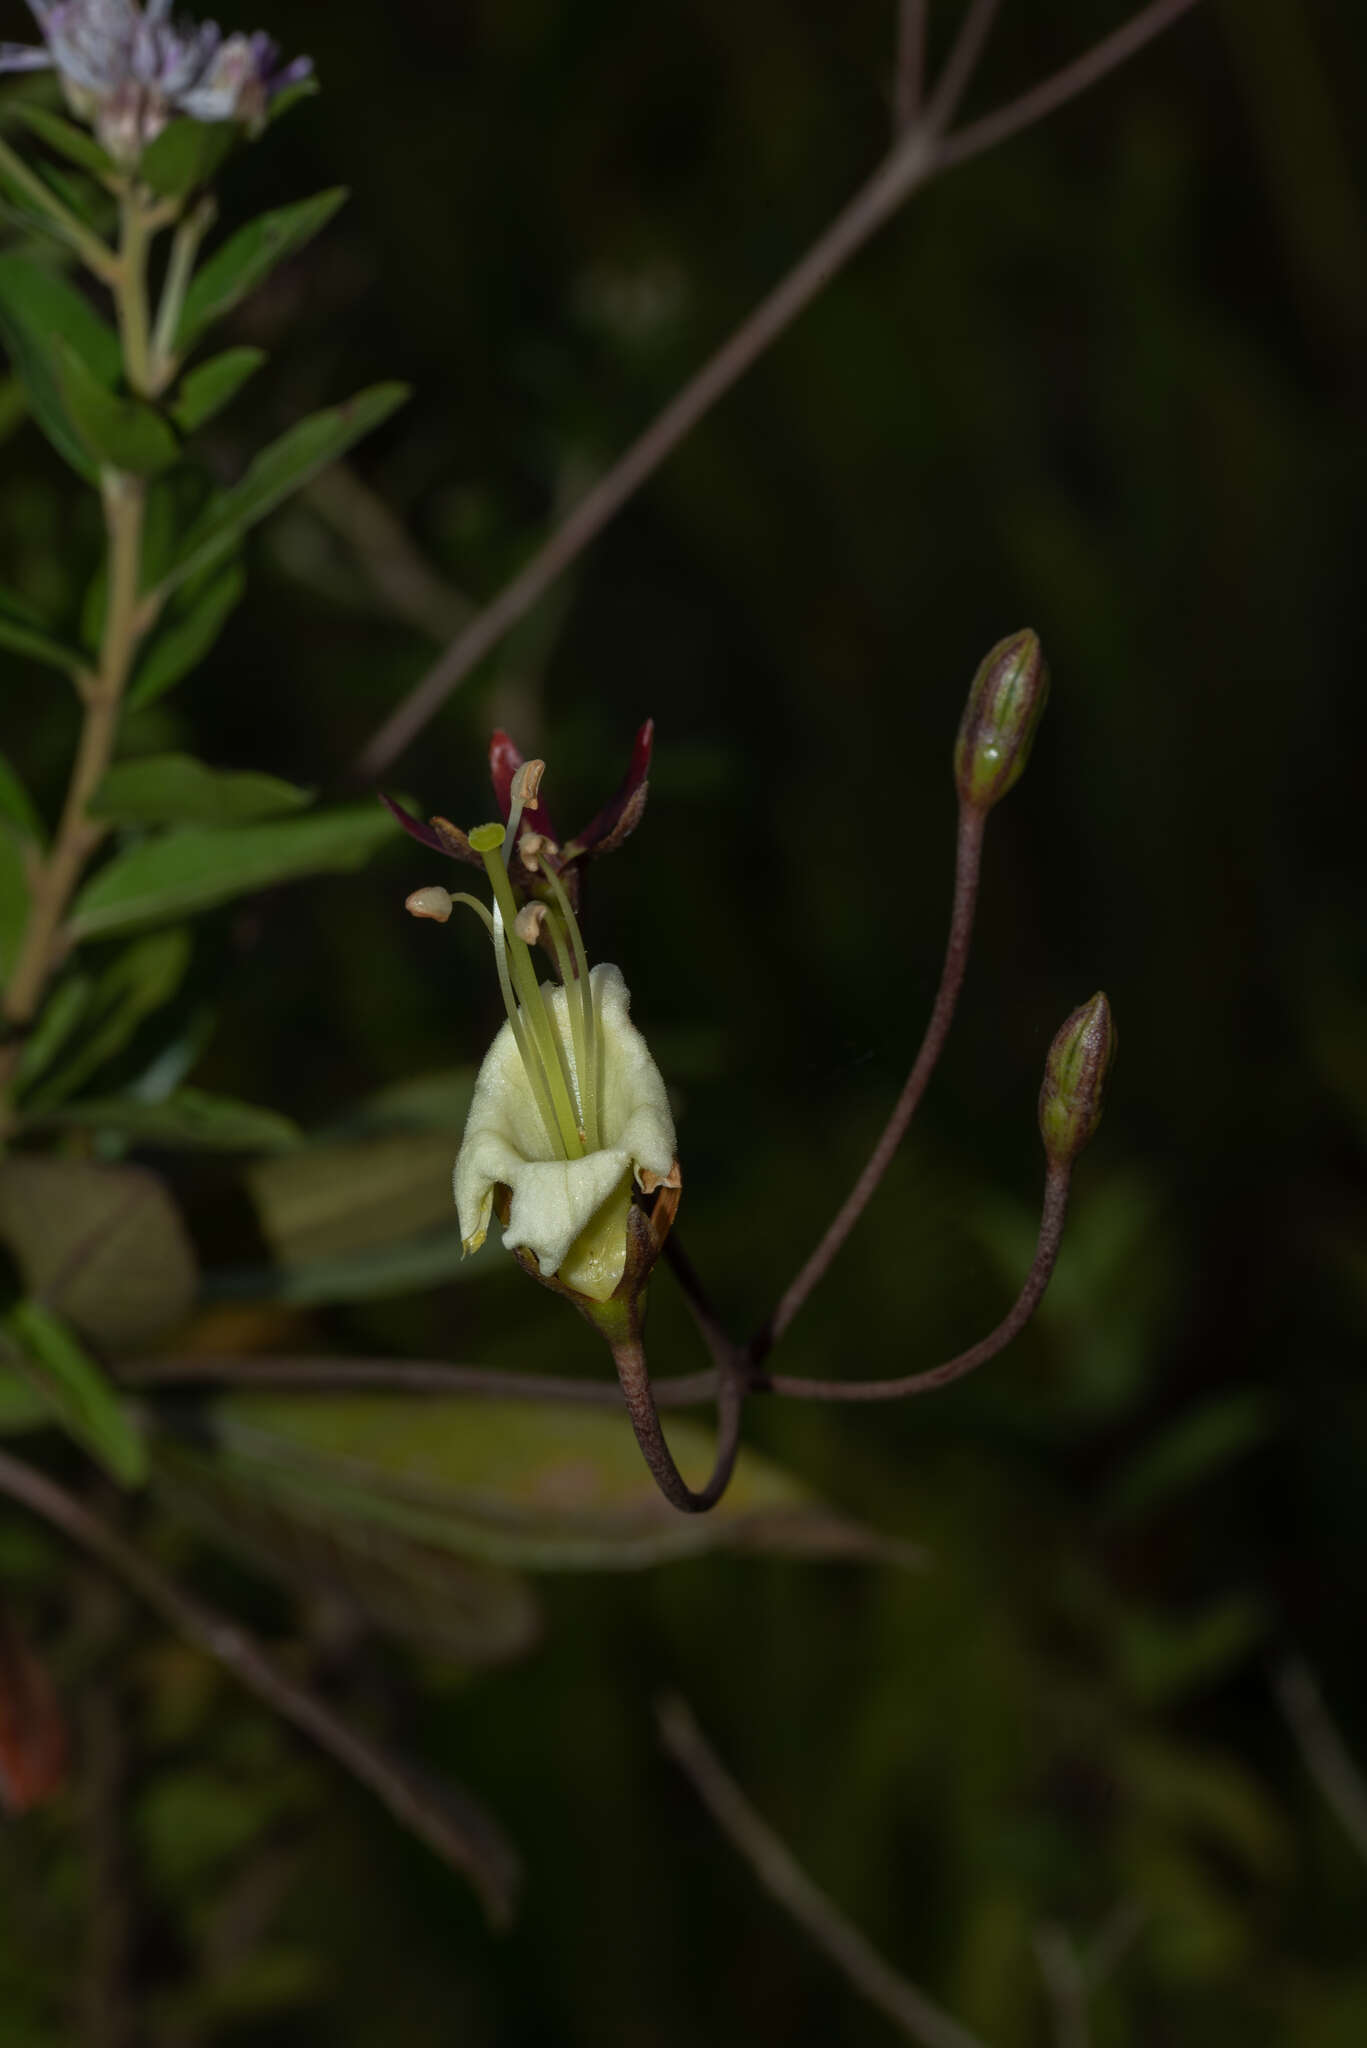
(1074, 1079)
(1005, 702)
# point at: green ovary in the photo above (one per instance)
(596, 1260)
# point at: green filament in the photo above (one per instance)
(586, 1039)
(538, 1040)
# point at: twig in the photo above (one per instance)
(1065, 1982)
(78, 835)
(1323, 1749)
(714, 1332)
(773, 1863)
(1011, 1325)
(954, 80)
(967, 865)
(917, 156)
(630, 1359)
(909, 75)
(403, 1375)
(400, 573)
(1052, 93)
(450, 1822)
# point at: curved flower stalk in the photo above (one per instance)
(569, 1138)
(128, 70)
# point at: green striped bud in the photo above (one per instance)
(1074, 1080)
(1005, 703)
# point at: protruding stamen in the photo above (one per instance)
(542, 1043)
(526, 782)
(434, 903)
(586, 1040)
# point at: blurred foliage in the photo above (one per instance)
(1107, 380)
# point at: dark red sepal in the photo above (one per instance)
(622, 813)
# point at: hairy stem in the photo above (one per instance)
(1012, 1323)
(629, 1357)
(450, 1823)
(966, 870)
(773, 1862)
(78, 835)
(130, 294)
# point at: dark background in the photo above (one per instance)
(1106, 381)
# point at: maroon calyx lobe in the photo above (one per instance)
(604, 832)
(622, 813)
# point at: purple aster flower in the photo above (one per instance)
(128, 70)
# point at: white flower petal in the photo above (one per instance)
(554, 1199)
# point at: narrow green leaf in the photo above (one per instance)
(188, 629)
(205, 391)
(139, 982)
(1193, 1450)
(383, 1272)
(35, 306)
(77, 145)
(14, 902)
(80, 1395)
(282, 468)
(104, 1246)
(341, 1201)
(553, 1488)
(248, 258)
(186, 1119)
(22, 1407)
(175, 789)
(192, 869)
(302, 89)
(60, 1015)
(455, 1607)
(17, 814)
(186, 155)
(25, 632)
(124, 432)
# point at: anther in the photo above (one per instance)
(530, 847)
(528, 922)
(526, 783)
(434, 902)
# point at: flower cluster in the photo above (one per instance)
(128, 70)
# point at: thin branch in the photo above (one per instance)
(957, 75)
(1069, 84)
(908, 165)
(1323, 1749)
(395, 565)
(630, 1359)
(714, 1333)
(402, 1376)
(967, 865)
(450, 1822)
(917, 156)
(909, 76)
(773, 1863)
(1011, 1325)
(1066, 1984)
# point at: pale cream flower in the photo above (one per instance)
(570, 1213)
(569, 1113)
